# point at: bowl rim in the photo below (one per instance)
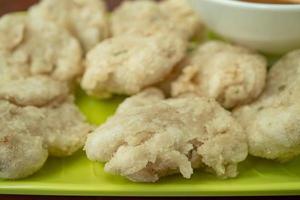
(260, 6)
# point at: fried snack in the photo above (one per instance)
(87, 20)
(35, 91)
(65, 129)
(272, 122)
(146, 97)
(137, 16)
(166, 84)
(32, 47)
(165, 137)
(33, 125)
(21, 153)
(145, 16)
(128, 63)
(185, 20)
(232, 75)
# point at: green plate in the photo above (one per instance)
(78, 176)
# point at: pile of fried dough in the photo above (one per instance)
(190, 106)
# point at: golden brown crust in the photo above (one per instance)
(87, 20)
(162, 137)
(28, 52)
(273, 121)
(231, 74)
(128, 63)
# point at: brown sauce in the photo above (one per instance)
(274, 1)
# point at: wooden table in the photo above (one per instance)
(7, 6)
(140, 198)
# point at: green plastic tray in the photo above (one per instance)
(78, 176)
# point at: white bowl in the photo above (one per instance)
(270, 28)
